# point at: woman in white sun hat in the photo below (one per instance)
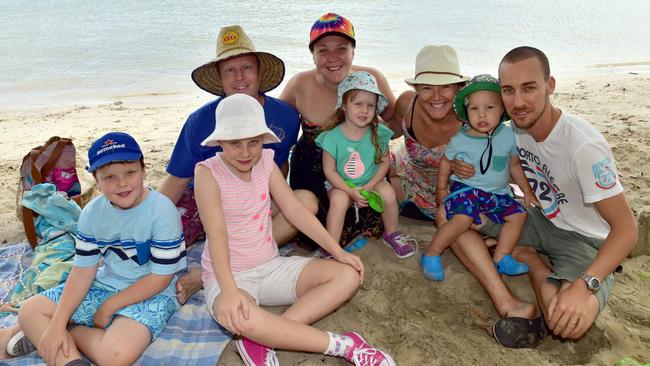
(425, 118)
(241, 266)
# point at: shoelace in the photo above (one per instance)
(271, 359)
(367, 357)
(402, 241)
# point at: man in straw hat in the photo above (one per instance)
(584, 225)
(237, 68)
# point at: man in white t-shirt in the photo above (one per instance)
(585, 226)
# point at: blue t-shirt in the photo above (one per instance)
(134, 242)
(355, 160)
(470, 148)
(281, 118)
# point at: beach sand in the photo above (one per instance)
(417, 321)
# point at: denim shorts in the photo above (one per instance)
(472, 202)
(152, 313)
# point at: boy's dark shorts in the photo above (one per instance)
(472, 202)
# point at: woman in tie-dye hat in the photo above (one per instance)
(313, 92)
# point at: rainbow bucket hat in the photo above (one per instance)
(331, 24)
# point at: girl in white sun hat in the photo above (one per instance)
(241, 266)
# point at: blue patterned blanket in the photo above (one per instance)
(190, 338)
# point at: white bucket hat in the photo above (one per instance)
(437, 65)
(237, 117)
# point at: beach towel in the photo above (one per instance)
(52, 261)
(190, 338)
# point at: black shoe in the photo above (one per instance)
(515, 332)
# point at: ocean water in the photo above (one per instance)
(89, 51)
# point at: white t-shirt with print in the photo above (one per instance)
(569, 171)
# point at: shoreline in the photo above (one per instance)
(192, 93)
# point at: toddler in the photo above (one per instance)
(489, 145)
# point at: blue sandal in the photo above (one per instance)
(432, 267)
(510, 266)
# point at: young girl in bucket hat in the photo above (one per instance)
(241, 266)
(489, 145)
(355, 159)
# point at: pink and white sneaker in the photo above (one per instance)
(255, 354)
(362, 354)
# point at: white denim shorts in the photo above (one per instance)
(272, 283)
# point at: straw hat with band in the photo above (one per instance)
(233, 42)
(239, 116)
(478, 83)
(437, 65)
(361, 80)
(331, 24)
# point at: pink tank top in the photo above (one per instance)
(247, 211)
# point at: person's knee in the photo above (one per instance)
(118, 355)
(308, 199)
(387, 192)
(349, 277)
(339, 200)
(34, 305)
(254, 323)
(346, 278)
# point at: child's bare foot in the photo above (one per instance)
(188, 284)
(5, 336)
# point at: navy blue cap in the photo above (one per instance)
(114, 146)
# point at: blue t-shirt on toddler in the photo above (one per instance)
(470, 148)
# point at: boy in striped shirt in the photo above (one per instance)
(112, 312)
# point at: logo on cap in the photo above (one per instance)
(230, 38)
(108, 145)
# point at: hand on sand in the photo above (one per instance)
(54, 338)
(188, 284)
(572, 311)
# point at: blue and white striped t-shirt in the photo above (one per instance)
(144, 239)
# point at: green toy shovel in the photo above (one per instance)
(375, 200)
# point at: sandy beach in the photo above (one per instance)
(417, 321)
